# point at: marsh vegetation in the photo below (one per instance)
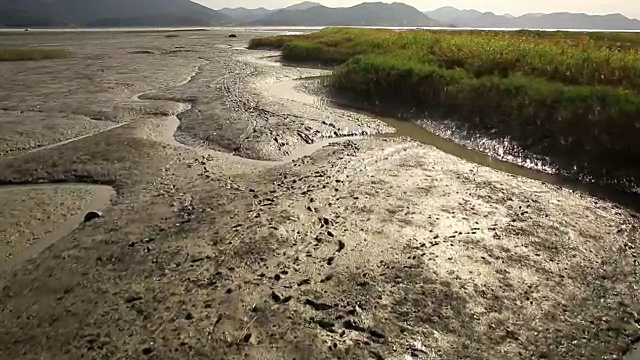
(570, 96)
(20, 54)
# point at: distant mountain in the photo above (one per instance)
(63, 13)
(476, 19)
(244, 15)
(366, 14)
(575, 21)
(452, 15)
(303, 6)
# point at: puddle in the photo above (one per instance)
(519, 166)
(99, 200)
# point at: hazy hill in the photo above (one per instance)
(246, 15)
(452, 15)
(303, 6)
(366, 14)
(33, 13)
(473, 18)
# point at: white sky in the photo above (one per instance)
(630, 8)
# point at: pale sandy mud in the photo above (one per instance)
(35, 216)
(23, 131)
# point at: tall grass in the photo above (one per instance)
(570, 96)
(571, 60)
(20, 54)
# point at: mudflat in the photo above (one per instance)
(249, 223)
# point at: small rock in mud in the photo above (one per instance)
(377, 334)
(352, 312)
(141, 52)
(326, 325)
(132, 298)
(275, 297)
(353, 325)
(376, 355)
(92, 215)
(325, 221)
(327, 278)
(247, 337)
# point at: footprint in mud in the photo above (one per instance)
(278, 299)
(327, 278)
(326, 325)
(318, 306)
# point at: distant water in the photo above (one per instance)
(125, 29)
(303, 29)
(292, 30)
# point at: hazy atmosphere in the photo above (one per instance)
(626, 7)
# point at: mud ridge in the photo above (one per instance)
(174, 123)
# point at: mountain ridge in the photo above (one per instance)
(556, 20)
(71, 13)
(365, 14)
(175, 13)
(245, 15)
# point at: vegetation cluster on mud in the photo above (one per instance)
(22, 54)
(574, 97)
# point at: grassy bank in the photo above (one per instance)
(20, 54)
(571, 96)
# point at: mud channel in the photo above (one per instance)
(497, 155)
(254, 221)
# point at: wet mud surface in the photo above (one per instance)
(28, 229)
(225, 241)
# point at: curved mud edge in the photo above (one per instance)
(290, 90)
(634, 353)
(100, 199)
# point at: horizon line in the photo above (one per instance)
(447, 6)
